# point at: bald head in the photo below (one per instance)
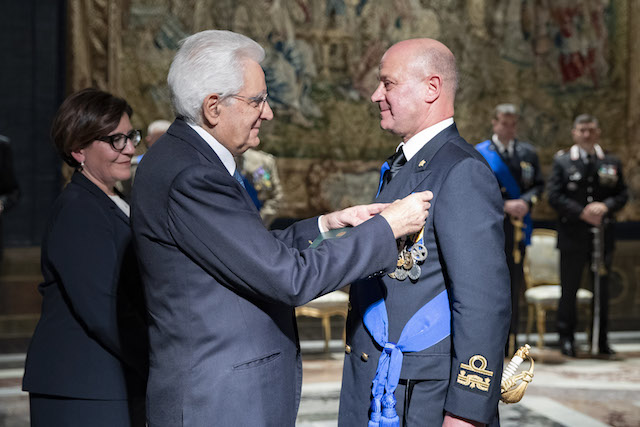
(428, 56)
(418, 83)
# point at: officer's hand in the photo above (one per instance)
(407, 216)
(597, 208)
(517, 207)
(588, 216)
(352, 216)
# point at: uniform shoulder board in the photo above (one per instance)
(560, 153)
(4, 139)
(527, 145)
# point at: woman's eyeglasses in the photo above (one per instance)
(118, 141)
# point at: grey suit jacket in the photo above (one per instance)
(221, 289)
(465, 242)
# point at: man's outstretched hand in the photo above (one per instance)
(352, 216)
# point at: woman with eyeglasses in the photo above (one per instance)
(87, 360)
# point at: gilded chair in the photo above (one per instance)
(542, 278)
(332, 304)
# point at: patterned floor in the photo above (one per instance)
(565, 392)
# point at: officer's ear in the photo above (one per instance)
(211, 109)
(434, 87)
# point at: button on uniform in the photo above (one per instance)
(365, 357)
(347, 349)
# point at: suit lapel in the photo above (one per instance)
(181, 130)
(493, 147)
(416, 170)
(580, 166)
(84, 182)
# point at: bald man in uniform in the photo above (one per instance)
(425, 343)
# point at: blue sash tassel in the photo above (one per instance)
(428, 326)
(506, 180)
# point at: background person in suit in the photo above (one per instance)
(586, 188)
(449, 372)
(220, 288)
(516, 166)
(9, 190)
(87, 360)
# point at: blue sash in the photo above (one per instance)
(506, 180)
(428, 326)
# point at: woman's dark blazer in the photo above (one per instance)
(91, 340)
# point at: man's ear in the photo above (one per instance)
(434, 88)
(211, 109)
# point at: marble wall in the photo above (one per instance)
(554, 59)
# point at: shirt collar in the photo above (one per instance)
(419, 140)
(225, 155)
(500, 145)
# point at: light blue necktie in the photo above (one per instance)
(238, 178)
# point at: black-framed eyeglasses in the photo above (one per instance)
(257, 102)
(118, 141)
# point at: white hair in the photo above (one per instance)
(158, 126)
(209, 62)
(508, 109)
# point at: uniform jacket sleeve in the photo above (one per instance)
(538, 182)
(468, 221)
(556, 193)
(620, 194)
(211, 221)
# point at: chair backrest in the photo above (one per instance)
(542, 259)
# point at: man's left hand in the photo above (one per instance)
(597, 208)
(352, 216)
(516, 207)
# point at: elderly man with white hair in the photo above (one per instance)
(221, 288)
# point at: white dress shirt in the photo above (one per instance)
(225, 155)
(501, 148)
(419, 140)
